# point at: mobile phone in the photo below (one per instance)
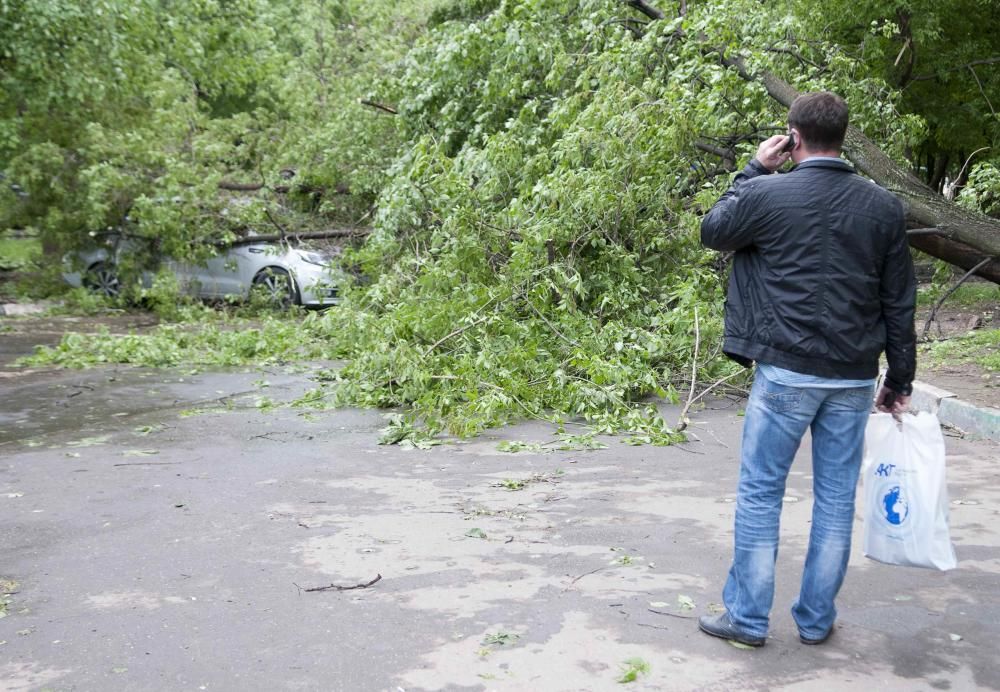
(790, 144)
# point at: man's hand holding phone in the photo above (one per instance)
(774, 151)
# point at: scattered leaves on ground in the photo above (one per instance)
(90, 441)
(515, 484)
(632, 668)
(501, 638)
(401, 431)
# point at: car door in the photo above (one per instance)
(215, 277)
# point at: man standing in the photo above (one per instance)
(822, 283)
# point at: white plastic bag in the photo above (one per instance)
(906, 495)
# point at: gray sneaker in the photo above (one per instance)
(722, 626)
(813, 642)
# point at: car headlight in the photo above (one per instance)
(314, 258)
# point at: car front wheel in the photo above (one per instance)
(102, 278)
(275, 286)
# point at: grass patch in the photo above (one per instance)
(966, 295)
(19, 253)
(980, 347)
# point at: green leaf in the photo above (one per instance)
(632, 668)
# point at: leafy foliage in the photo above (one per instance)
(119, 113)
(981, 347)
(535, 199)
(983, 189)
(536, 250)
(219, 342)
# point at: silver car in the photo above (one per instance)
(281, 274)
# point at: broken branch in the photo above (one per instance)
(646, 9)
(312, 235)
(335, 587)
(937, 305)
(379, 106)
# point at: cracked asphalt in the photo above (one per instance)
(161, 531)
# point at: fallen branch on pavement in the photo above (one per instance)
(673, 615)
(335, 587)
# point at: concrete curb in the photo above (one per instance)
(977, 422)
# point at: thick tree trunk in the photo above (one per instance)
(957, 253)
(960, 236)
(924, 207)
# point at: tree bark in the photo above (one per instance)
(964, 237)
(312, 235)
(957, 253)
(379, 106)
(647, 9)
(240, 187)
(339, 188)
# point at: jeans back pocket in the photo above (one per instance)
(780, 402)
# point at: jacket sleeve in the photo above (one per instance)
(898, 295)
(728, 225)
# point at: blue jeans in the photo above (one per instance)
(776, 420)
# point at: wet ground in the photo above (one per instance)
(159, 530)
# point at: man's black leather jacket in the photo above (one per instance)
(822, 280)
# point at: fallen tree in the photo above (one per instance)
(940, 227)
(944, 230)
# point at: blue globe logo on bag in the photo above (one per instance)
(894, 506)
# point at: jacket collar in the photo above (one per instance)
(825, 162)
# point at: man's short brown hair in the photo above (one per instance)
(821, 119)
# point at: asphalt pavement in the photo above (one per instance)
(170, 530)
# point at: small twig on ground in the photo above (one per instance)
(149, 463)
(655, 627)
(937, 305)
(267, 435)
(585, 574)
(335, 587)
(694, 360)
(714, 385)
(673, 615)
(716, 437)
(682, 421)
